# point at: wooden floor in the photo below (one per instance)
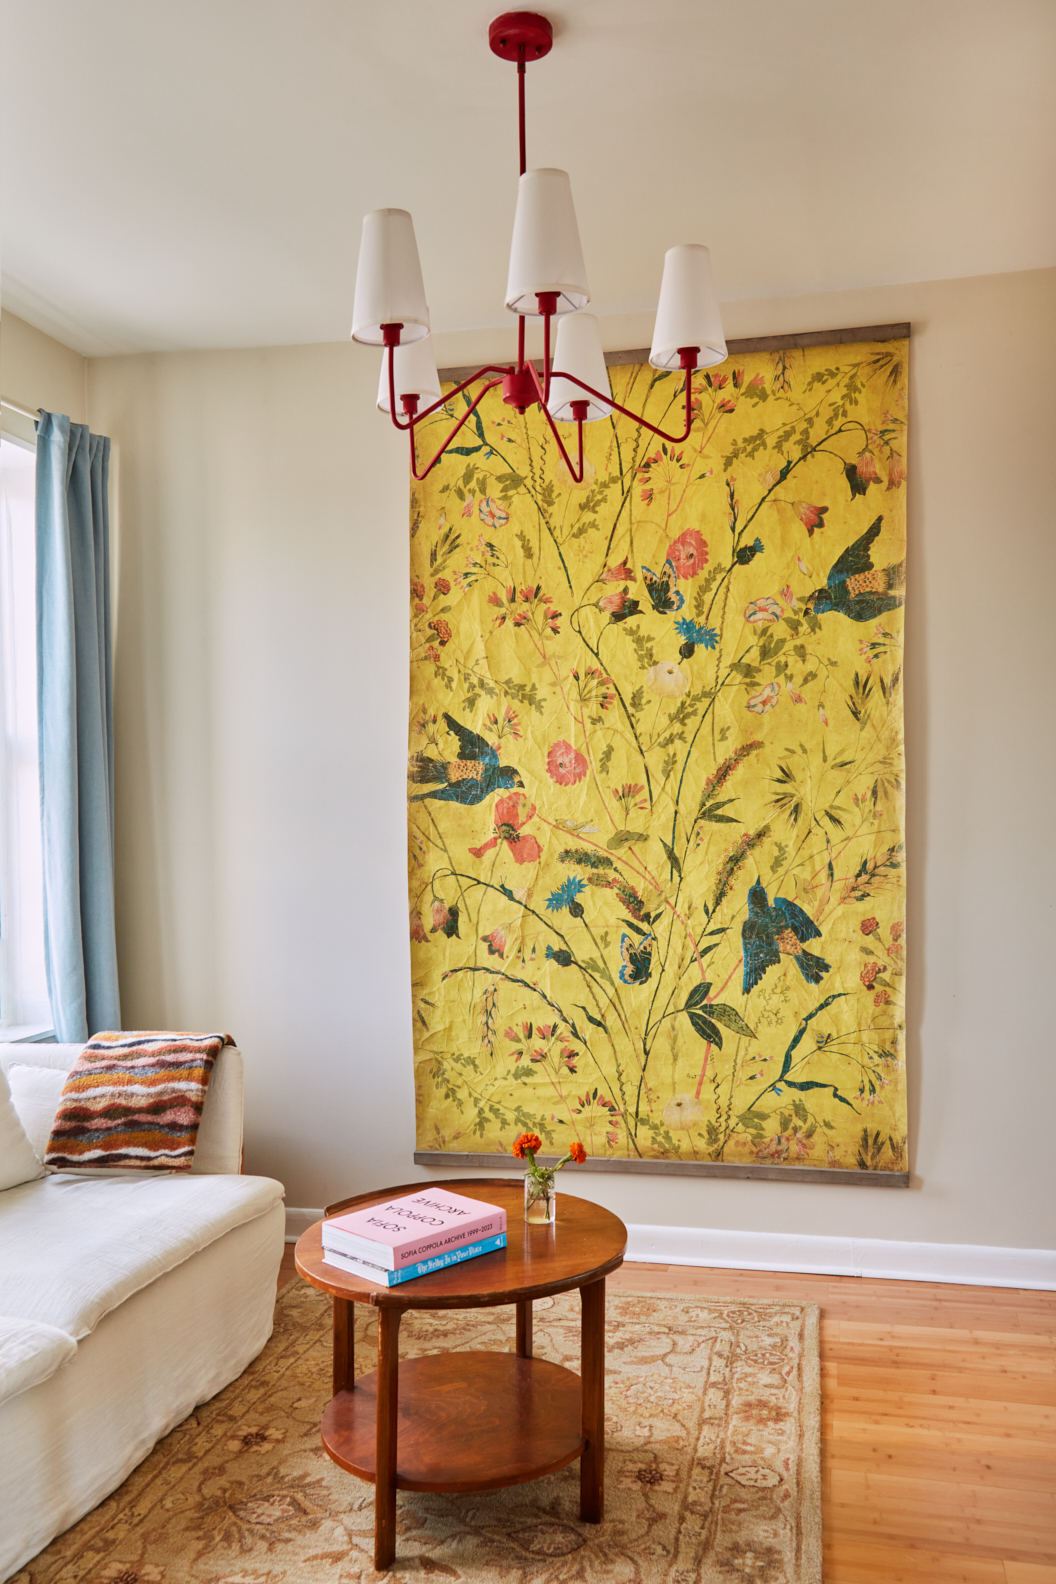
(938, 1427)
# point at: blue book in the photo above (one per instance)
(389, 1278)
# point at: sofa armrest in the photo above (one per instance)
(219, 1147)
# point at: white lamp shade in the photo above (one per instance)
(578, 352)
(545, 254)
(389, 287)
(688, 312)
(415, 375)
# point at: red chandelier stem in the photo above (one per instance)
(520, 108)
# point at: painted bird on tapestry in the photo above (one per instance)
(856, 588)
(768, 933)
(470, 778)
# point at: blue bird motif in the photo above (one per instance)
(770, 932)
(470, 778)
(855, 588)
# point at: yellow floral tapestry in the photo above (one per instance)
(656, 769)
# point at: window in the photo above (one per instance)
(24, 1008)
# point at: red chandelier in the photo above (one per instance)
(547, 280)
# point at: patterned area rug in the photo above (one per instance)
(712, 1469)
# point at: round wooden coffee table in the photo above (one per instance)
(473, 1421)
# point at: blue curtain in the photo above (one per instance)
(76, 725)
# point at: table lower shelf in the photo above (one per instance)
(467, 1422)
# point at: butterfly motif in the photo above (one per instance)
(663, 590)
(637, 954)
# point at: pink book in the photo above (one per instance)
(399, 1232)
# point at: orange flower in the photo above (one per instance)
(896, 470)
(526, 1144)
(618, 574)
(578, 1153)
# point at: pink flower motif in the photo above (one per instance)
(618, 574)
(758, 381)
(896, 470)
(881, 998)
(765, 699)
(789, 598)
(869, 926)
(898, 929)
(496, 942)
(417, 927)
(868, 974)
(867, 468)
(824, 719)
(688, 553)
(467, 510)
(727, 406)
(810, 516)
(802, 565)
(766, 609)
(508, 821)
(491, 514)
(565, 764)
(794, 694)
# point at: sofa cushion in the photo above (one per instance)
(29, 1353)
(18, 1161)
(75, 1248)
(35, 1094)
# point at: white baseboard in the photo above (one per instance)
(965, 1264)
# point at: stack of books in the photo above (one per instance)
(398, 1239)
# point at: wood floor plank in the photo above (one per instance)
(1029, 1573)
(910, 1380)
(864, 1562)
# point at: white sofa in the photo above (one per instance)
(126, 1298)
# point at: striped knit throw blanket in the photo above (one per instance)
(134, 1099)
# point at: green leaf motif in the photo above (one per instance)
(706, 1029)
(730, 1019)
(672, 858)
(697, 995)
(621, 838)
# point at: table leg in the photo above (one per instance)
(385, 1465)
(524, 1328)
(344, 1345)
(592, 1371)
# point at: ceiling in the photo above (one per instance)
(194, 174)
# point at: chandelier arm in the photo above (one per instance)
(546, 358)
(427, 412)
(392, 392)
(464, 419)
(626, 411)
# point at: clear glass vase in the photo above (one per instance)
(540, 1199)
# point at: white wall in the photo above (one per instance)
(261, 741)
(38, 371)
